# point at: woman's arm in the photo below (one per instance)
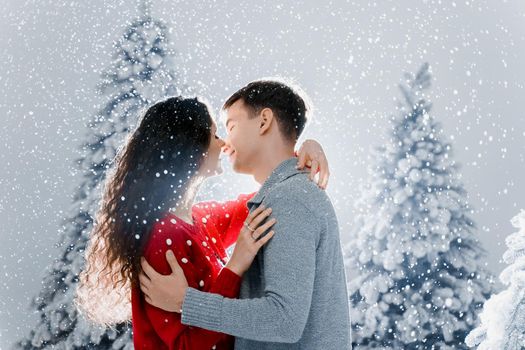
(228, 217)
(167, 291)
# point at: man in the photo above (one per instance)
(294, 294)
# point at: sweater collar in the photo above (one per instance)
(283, 171)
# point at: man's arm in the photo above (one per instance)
(289, 272)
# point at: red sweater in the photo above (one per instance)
(200, 250)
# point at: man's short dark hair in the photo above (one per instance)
(288, 104)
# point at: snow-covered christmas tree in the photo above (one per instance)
(420, 281)
(140, 74)
(503, 316)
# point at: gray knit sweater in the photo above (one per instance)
(294, 295)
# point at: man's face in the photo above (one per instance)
(242, 137)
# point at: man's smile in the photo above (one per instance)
(230, 156)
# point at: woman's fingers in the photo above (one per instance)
(324, 182)
(248, 244)
(324, 173)
(302, 160)
(264, 239)
(259, 218)
(254, 213)
(313, 170)
(260, 230)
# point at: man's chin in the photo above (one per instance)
(238, 168)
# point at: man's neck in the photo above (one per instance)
(268, 161)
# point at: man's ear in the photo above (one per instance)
(267, 118)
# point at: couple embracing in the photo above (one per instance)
(157, 258)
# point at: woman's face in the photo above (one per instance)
(212, 163)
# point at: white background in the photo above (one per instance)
(349, 57)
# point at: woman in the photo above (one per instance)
(147, 209)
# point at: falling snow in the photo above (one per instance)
(60, 67)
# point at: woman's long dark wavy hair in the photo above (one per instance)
(153, 171)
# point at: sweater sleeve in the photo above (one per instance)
(280, 315)
(227, 217)
(168, 325)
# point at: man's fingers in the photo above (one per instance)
(172, 261)
(148, 300)
(147, 269)
(144, 282)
